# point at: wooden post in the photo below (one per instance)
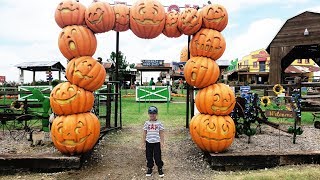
(276, 56)
(108, 106)
(34, 78)
(21, 79)
(117, 83)
(59, 75)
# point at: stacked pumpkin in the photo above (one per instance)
(213, 130)
(76, 130)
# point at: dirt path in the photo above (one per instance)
(119, 156)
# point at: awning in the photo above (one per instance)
(262, 59)
(301, 69)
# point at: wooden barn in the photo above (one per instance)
(299, 38)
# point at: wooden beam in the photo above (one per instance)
(276, 56)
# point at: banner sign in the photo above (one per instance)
(279, 114)
(119, 2)
(152, 62)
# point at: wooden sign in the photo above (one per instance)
(279, 114)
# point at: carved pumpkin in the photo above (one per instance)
(212, 134)
(122, 13)
(217, 99)
(147, 18)
(208, 43)
(75, 134)
(66, 99)
(184, 54)
(214, 16)
(190, 21)
(201, 72)
(69, 12)
(100, 17)
(86, 72)
(76, 41)
(171, 26)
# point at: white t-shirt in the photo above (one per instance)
(153, 129)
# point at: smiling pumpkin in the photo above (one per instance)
(86, 72)
(100, 17)
(212, 134)
(190, 21)
(171, 26)
(69, 12)
(147, 19)
(122, 13)
(215, 17)
(208, 43)
(217, 99)
(66, 99)
(75, 134)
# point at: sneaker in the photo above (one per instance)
(160, 172)
(149, 172)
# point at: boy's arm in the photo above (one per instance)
(161, 132)
(143, 142)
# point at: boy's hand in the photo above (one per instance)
(143, 145)
(162, 145)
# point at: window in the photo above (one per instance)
(255, 64)
(299, 61)
(307, 61)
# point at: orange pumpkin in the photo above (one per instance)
(214, 16)
(75, 134)
(201, 72)
(147, 18)
(66, 99)
(69, 12)
(171, 26)
(76, 41)
(190, 21)
(86, 72)
(212, 134)
(184, 54)
(100, 17)
(208, 43)
(217, 99)
(122, 13)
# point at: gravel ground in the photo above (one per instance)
(119, 154)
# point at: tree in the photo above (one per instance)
(122, 66)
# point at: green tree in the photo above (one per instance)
(122, 66)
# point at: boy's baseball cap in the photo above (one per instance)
(152, 110)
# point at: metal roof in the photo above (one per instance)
(41, 66)
(223, 62)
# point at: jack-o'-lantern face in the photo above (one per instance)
(215, 17)
(147, 18)
(184, 54)
(122, 13)
(190, 21)
(209, 43)
(171, 26)
(68, 6)
(65, 99)
(65, 93)
(86, 72)
(69, 12)
(100, 17)
(217, 99)
(201, 72)
(75, 134)
(76, 41)
(212, 133)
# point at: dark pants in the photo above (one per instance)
(153, 150)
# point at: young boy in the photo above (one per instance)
(153, 138)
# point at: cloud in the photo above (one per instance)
(258, 35)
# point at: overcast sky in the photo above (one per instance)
(29, 32)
